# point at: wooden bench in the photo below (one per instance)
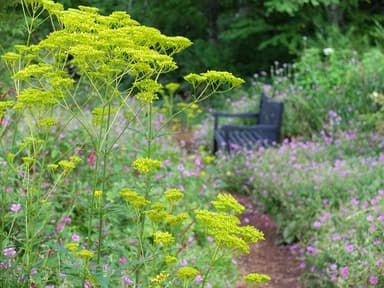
(265, 131)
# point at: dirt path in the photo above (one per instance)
(266, 256)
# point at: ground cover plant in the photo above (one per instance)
(325, 194)
(323, 184)
(94, 193)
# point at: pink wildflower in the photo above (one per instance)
(15, 207)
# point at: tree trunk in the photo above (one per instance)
(213, 14)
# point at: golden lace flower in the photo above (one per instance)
(226, 231)
(11, 157)
(53, 166)
(146, 165)
(214, 78)
(170, 259)
(11, 57)
(5, 105)
(98, 193)
(157, 212)
(34, 70)
(148, 85)
(146, 97)
(172, 87)
(52, 7)
(46, 122)
(173, 195)
(256, 278)
(226, 203)
(195, 79)
(163, 239)
(223, 77)
(187, 272)
(72, 246)
(33, 96)
(85, 254)
(161, 277)
(208, 159)
(133, 198)
(175, 219)
(75, 159)
(28, 160)
(67, 165)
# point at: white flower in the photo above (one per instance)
(328, 51)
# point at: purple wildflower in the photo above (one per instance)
(198, 279)
(9, 252)
(75, 238)
(373, 280)
(127, 281)
(349, 247)
(344, 271)
(15, 207)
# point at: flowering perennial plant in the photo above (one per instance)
(92, 80)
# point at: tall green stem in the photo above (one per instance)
(211, 264)
(148, 188)
(104, 186)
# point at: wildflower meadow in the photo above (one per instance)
(91, 196)
(107, 173)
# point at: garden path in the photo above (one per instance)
(267, 257)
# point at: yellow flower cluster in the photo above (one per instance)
(173, 195)
(98, 194)
(28, 160)
(159, 278)
(174, 220)
(34, 70)
(256, 278)
(69, 165)
(46, 122)
(148, 90)
(191, 110)
(53, 166)
(72, 246)
(85, 254)
(75, 159)
(172, 87)
(209, 159)
(103, 49)
(226, 203)
(226, 231)
(215, 78)
(157, 212)
(170, 259)
(133, 198)
(187, 272)
(163, 239)
(11, 57)
(4, 106)
(33, 96)
(146, 165)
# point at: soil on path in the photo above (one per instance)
(267, 257)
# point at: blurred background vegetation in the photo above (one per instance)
(241, 36)
(277, 42)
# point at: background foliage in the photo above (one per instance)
(242, 36)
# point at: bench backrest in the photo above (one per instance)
(271, 113)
